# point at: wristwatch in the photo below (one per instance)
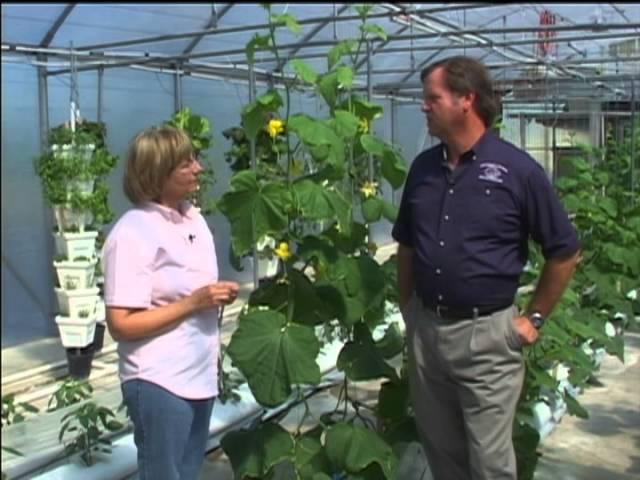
(537, 319)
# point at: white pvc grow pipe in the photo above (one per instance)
(122, 462)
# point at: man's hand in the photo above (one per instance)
(526, 331)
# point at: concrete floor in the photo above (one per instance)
(604, 447)
(607, 445)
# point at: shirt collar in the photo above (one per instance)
(479, 149)
(187, 210)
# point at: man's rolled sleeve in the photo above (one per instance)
(548, 221)
(401, 231)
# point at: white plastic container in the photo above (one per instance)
(74, 275)
(73, 245)
(72, 302)
(76, 332)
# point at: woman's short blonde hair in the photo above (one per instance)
(153, 154)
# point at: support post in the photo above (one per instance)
(100, 91)
(254, 167)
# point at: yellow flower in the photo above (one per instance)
(363, 125)
(283, 251)
(369, 189)
(275, 127)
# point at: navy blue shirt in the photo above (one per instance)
(469, 227)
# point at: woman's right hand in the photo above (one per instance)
(215, 294)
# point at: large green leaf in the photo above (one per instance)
(256, 43)
(319, 248)
(361, 282)
(317, 202)
(254, 115)
(287, 19)
(315, 133)
(361, 360)
(389, 211)
(348, 241)
(309, 306)
(352, 448)
(346, 123)
(328, 87)
(394, 170)
(341, 49)
(608, 205)
(345, 76)
(363, 108)
(311, 459)
(373, 144)
(271, 100)
(247, 199)
(574, 407)
(273, 355)
(393, 400)
(253, 453)
(525, 442)
(304, 70)
(374, 30)
(393, 341)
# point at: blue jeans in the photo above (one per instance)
(170, 432)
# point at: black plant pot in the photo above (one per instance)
(98, 337)
(79, 361)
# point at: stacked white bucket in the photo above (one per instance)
(78, 297)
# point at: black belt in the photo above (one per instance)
(452, 313)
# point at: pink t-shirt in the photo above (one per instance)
(154, 256)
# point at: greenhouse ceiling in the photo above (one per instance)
(531, 49)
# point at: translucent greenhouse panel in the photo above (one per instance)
(28, 23)
(91, 24)
(27, 274)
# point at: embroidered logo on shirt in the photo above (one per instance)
(492, 172)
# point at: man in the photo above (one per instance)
(469, 206)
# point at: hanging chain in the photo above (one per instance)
(74, 94)
(412, 55)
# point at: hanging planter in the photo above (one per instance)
(70, 219)
(79, 361)
(74, 245)
(76, 332)
(76, 274)
(73, 302)
(82, 186)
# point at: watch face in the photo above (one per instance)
(537, 320)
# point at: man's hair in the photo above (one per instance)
(153, 154)
(464, 75)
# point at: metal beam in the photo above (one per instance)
(308, 37)
(392, 86)
(526, 41)
(35, 50)
(324, 43)
(46, 41)
(211, 24)
(263, 26)
(100, 93)
(579, 61)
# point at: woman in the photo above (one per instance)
(162, 294)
